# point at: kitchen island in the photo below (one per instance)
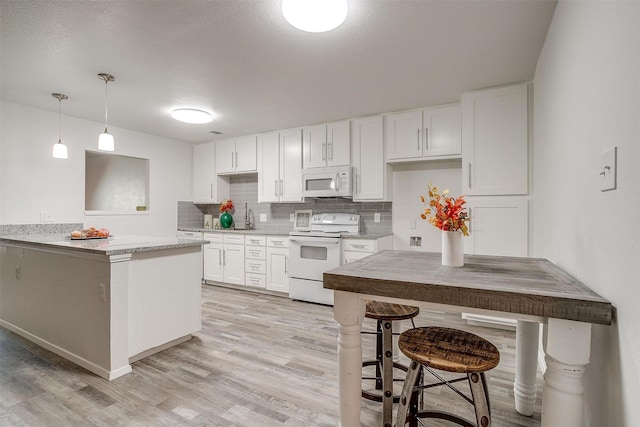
(529, 290)
(101, 303)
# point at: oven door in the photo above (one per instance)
(309, 257)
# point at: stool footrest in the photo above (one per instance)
(442, 415)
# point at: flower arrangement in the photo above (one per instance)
(226, 206)
(445, 213)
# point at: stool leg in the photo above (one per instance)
(387, 374)
(478, 385)
(379, 356)
(407, 393)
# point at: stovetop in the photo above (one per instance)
(331, 225)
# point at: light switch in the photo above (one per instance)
(608, 161)
(263, 217)
(292, 217)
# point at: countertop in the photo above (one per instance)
(114, 245)
(531, 286)
(280, 233)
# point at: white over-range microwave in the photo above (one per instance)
(333, 181)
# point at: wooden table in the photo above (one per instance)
(530, 290)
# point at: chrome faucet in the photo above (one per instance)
(247, 218)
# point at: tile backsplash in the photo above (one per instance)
(244, 189)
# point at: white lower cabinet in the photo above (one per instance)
(224, 258)
(255, 252)
(355, 249)
(277, 260)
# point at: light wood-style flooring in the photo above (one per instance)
(259, 360)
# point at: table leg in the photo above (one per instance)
(524, 386)
(349, 311)
(567, 345)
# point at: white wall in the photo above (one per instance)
(31, 180)
(586, 100)
(410, 181)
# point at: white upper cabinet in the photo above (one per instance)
(236, 155)
(422, 134)
(206, 186)
(371, 174)
(280, 166)
(495, 136)
(326, 145)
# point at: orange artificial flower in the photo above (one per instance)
(445, 213)
(226, 206)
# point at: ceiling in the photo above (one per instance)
(242, 61)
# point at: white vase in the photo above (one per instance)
(452, 248)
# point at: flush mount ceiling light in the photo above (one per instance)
(59, 149)
(315, 16)
(191, 115)
(105, 139)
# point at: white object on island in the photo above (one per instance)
(452, 248)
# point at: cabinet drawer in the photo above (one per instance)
(359, 245)
(191, 235)
(234, 238)
(213, 237)
(278, 242)
(255, 240)
(256, 280)
(255, 266)
(255, 252)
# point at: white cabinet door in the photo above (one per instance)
(404, 135)
(203, 184)
(277, 273)
(422, 134)
(213, 267)
(269, 167)
(314, 147)
(441, 131)
(246, 154)
(498, 226)
(225, 155)
(291, 165)
(350, 256)
(339, 143)
(369, 168)
(495, 137)
(233, 260)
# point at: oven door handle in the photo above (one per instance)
(315, 242)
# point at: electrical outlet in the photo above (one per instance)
(292, 217)
(263, 217)
(608, 161)
(46, 216)
(376, 217)
(103, 292)
(415, 241)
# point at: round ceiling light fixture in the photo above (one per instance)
(315, 16)
(191, 115)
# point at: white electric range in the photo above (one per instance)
(313, 252)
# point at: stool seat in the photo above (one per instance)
(450, 350)
(389, 311)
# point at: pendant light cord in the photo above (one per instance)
(59, 120)
(106, 102)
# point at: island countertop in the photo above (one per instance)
(113, 245)
(530, 286)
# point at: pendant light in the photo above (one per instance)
(105, 139)
(59, 149)
(315, 16)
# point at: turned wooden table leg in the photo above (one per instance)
(524, 386)
(349, 311)
(567, 345)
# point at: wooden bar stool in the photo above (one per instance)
(451, 350)
(385, 314)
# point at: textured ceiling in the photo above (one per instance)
(240, 60)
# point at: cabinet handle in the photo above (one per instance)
(286, 269)
(331, 144)
(469, 171)
(426, 139)
(211, 190)
(281, 187)
(275, 192)
(324, 151)
(419, 144)
(220, 257)
(232, 160)
(470, 222)
(236, 159)
(224, 257)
